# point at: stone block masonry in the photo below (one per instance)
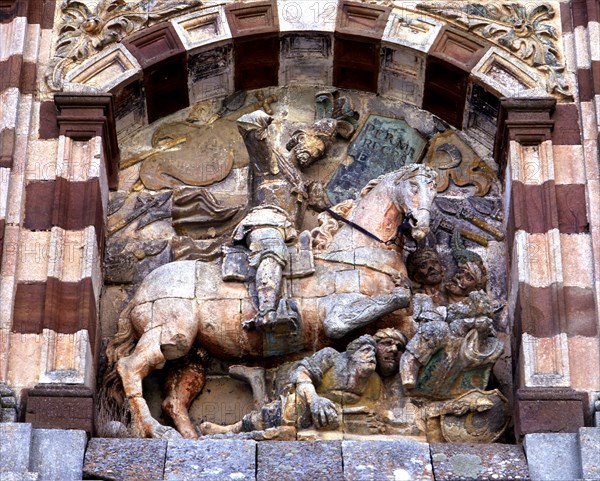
(50, 455)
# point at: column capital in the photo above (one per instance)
(527, 120)
(83, 116)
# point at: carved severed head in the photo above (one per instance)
(311, 143)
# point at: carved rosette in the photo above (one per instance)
(525, 30)
(85, 31)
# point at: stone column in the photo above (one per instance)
(546, 219)
(59, 275)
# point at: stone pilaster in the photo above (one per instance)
(59, 276)
(545, 226)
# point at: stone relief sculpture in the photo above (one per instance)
(85, 31)
(358, 279)
(278, 199)
(260, 286)
(319, 388)
(524, 30)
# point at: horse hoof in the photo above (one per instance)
(165, 432)
(249, 325)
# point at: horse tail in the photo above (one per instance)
(112, 404)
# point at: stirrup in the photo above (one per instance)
(258, 322)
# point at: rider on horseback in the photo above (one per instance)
(278, 199)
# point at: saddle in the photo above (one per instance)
(236, 268)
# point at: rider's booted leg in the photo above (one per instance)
(269, 255)
(268, 288)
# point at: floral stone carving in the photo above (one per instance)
(522, 29)
(85, 31)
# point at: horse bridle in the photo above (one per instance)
(404, 229)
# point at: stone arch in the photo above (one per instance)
(443, 59)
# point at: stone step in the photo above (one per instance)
(589, 448)
(210, 460)
(481, 462)
(398, 460)
(22, 476)
(299, 460)
(15, 442)
(553, 456)
(57, 454)
(114, 459)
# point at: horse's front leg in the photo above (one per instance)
(346, 312)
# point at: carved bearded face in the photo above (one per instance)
(388, 356)
(424, 267)
(463, 282)
(364, 359)
(429, 271)
(308, 148)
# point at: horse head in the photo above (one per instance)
(414, 189)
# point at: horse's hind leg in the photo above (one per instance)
(182, 385)
(146, 357)
(169, 331)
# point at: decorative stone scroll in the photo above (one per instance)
(525, 30)
(85, 31)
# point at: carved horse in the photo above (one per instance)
(357, 281)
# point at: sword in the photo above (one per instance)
(439, 222)
(487, 207)
(450, 207)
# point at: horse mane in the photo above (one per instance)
(371, 185)
(328, 226)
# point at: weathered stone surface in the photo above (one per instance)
(60, 406)
(549, 410)
(383, 145)
(377, 460)
(12, 476)
(589, 445)
(15, 439)
(210, 460)
(116, 459)
(552, 456)
(8, 415)
(57, 454)
(8, 403)
(300, 461)
(457, 462)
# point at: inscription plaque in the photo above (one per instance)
(383, 145)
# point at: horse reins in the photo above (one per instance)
(403, 229)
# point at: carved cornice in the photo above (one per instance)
(84, 31)
(526, 120)
(87, 116)
(525, 30)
